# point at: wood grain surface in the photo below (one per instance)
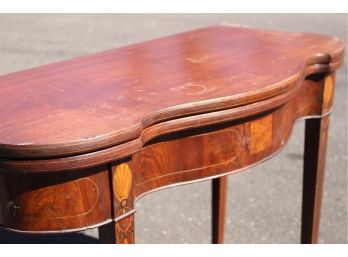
(82, 140)
(55, 201)
(101, 100)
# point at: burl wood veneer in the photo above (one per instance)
(82, 140)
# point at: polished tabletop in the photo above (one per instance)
(82, 140)
(104, 99)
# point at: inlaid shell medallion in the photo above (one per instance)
(122, 181)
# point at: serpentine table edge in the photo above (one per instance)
(54, 186)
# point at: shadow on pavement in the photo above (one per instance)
(9, 237)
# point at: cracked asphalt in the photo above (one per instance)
(264, 203)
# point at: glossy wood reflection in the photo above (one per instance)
(82, 140)
(54, 202)
(75, 106)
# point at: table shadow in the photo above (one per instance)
(9, 237)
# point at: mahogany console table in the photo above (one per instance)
(82, 140)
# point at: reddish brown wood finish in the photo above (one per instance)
(82, 140)
(55, 201)
(225, 147)
(75, 106)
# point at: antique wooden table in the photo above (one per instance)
(82, 140)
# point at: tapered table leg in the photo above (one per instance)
(120, 232)
(219, 188)
(316, 133)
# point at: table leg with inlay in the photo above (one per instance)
(121, 230)
(81, 141)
